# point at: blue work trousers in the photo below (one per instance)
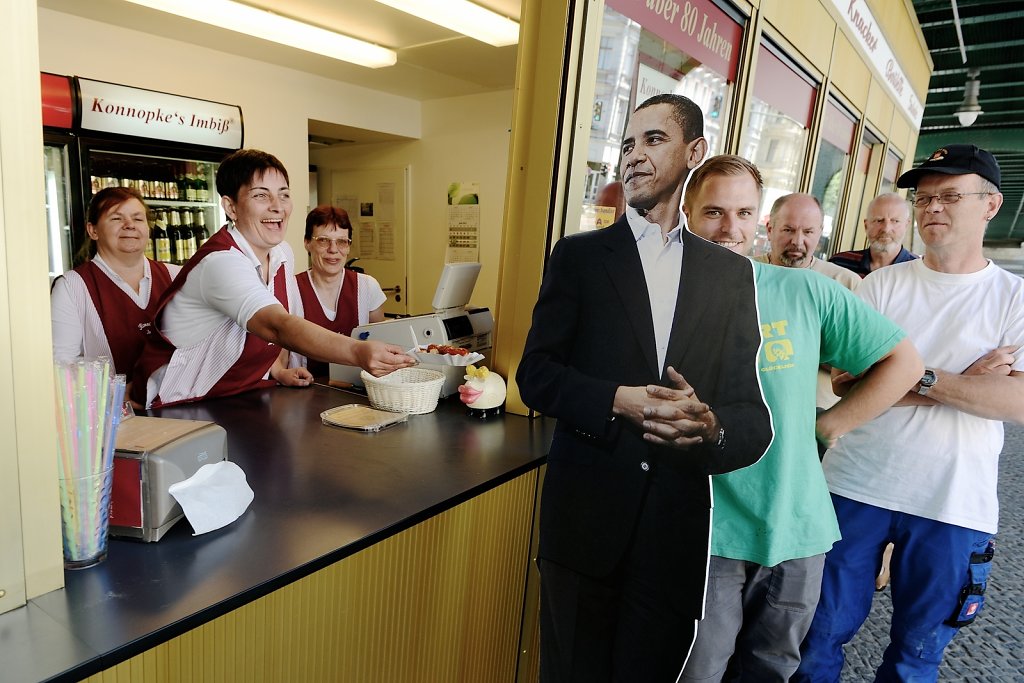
(931, 567)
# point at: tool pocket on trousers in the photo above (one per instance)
(972, 595)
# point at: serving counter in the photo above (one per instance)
(400, 555)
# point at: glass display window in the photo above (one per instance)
(838, 128)
(692, 50)
(775, 137)
(891, 170)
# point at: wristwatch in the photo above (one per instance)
(926, 382)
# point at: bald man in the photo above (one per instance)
(794, 230)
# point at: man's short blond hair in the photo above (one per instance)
(722, 164)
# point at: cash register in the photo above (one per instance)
(453, 323)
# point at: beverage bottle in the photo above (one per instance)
(149, 249)
(182, 182)
(202, 234)
(189, 235)
(161, 240)
(190, 182)
(156, 182)
(97, 180)
(179, 241)
(141, 178)
(202, 186)
(170, 184)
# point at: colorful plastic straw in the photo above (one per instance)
(88, 407)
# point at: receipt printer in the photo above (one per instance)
(151, 454)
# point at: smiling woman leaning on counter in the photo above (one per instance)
(220, 328)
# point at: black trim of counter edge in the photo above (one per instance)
(121, 654)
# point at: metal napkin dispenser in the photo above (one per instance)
(152, 453)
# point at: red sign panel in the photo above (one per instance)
(57, 108)
(126, 493)
(697, 27)
(838, 128)
(777, 84)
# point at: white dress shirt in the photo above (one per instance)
(662, 259)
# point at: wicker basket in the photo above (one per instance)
(409, 390)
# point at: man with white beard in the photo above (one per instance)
(886, 226)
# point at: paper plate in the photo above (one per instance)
(361, 417)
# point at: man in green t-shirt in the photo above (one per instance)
(773, 521)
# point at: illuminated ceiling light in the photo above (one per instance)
(240, 18)
(969, 109)
(463, 17)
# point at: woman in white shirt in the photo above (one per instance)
(333, 296)
(104, 307)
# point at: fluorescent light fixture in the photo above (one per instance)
(240, 18)
(462, 16)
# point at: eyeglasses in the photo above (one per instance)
(326, 242)
(923, 200)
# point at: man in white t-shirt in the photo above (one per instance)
(923, 474)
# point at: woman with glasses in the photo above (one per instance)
(333, 296)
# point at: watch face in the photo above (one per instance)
(928, 379)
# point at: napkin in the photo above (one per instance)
(213, 497)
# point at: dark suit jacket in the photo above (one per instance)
(593, 331)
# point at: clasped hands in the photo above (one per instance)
(669, 416)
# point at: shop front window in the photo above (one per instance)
(891, 171)
(641, 55)
(776, 135)
(837, 135)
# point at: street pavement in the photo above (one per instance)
(991, 650)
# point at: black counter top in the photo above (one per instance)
(322, 494)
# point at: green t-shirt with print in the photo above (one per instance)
(779, 508)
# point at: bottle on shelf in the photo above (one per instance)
(202, 234)
(139, 176)
(156, 182)
(202, 185)
(170, 185)
(97, 179)
(145, 184)
(179, 248)
(190, 181)
(149, 249)
(189, 235)
(182, 182)
(161, 239)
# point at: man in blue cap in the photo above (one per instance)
(923, 474)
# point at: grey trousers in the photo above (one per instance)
(755, 619)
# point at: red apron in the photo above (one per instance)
(247, 372)
(124, 323)
(345, 318)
